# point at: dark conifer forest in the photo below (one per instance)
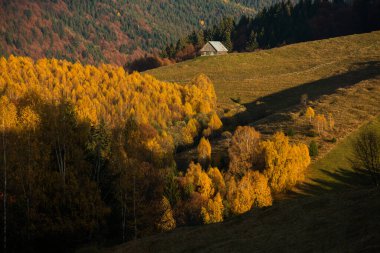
(281, 24)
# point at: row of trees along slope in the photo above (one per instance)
(257, 168)
(87, 154)
(283, 23)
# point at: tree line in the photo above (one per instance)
(281, 24)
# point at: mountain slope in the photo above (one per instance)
(100, 30)
(263, 89)
(247, 78)
(344, 222)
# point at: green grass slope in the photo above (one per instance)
(333, 171)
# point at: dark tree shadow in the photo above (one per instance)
(339, 180)
(279, 101)
(283, 101)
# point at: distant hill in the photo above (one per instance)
(107, 31)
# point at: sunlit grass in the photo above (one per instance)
(338, 157)
(249, 76)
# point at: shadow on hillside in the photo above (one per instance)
(341, 179)
(270, 104)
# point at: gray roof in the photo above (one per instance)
(218, 46)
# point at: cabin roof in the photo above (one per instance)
(217, 45)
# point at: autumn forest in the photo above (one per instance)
(98, 157)
(97, 149)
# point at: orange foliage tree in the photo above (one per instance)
(309, 114)
(217, 180)
(251, 190)
(204, 152)
(285, 163)
(212, 212)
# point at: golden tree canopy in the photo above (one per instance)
(204, 150)
(199, 180)
(215, 123)
(310, 113)
(285, 164)
(217, 180)
(213, 211)
(251, 190)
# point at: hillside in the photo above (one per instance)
(106, 31)
(332, 210)
(250, 77)
(264, 88)
(282, 24)
(339, 222)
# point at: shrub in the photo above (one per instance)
(290, 132)
(312, 134)
(313, 149)
(366, 154)
(144, 63)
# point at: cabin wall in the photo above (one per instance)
(208, 53)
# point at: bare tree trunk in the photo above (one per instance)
(5, 189)
(124, 215)
(61, 160)
(134, 204)
(29, 186)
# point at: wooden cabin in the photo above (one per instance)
(213, 48)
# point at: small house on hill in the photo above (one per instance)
(213, 48)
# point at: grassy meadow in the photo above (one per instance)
(280, 76)
(333, 170)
